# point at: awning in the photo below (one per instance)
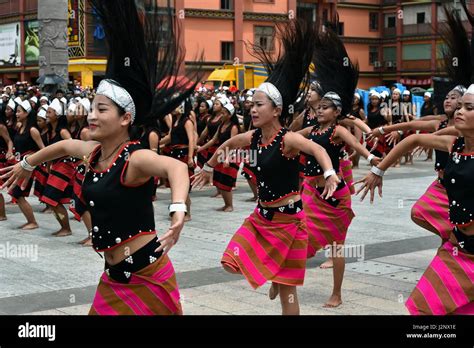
(222, 75)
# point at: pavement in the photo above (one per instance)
(56, 276)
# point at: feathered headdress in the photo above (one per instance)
(143, 51)
(289, 72)
(334, 70)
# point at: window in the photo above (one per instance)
(420, 18)
(226, 5)
(264, 37)
(227, 51)
(373, 21)
(373, 54)
(391, 22)
(340, 28)
(416, 52)
(307, 12)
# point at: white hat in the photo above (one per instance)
(72, 108)
(427, 94)
(384, 94)
(249, 99)
(224, 100)
(396, 90)
(210, 103)
(42, 112)
(249, 93)
(225, 88)
(406, 92)
(11, 104)
(357, 95)
(63, 100)
(86, 104)
(470, 90)
(374, 93)
(25, 104)
(56, 106)
(5, 95)
(18, 100)
(230, 108)
(77, 99)
(44, 98)
(34, 100)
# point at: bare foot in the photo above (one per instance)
(225, 209)
(3, 218)
(333, 302)
(327, 264)
(274, 291)
(62, 233)
(83, 241)
(187, 218)
(428, 159)
(29, 226)
(253, 199)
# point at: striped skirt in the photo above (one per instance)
(41, 177)
(264, 250)
(433, 208)
(151, 291)
(345, 166)
(181, 154)
(205, 155)
(327, 224)
(78, 207)
(447, 286)
(224, 178)
(58, 189)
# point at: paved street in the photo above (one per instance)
(61, 278)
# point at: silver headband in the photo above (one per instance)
(335, 98)
(119, 95)
(470, 90)
(272, 92)
(460, 89)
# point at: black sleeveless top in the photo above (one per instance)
(178, 133)
(375, 119)
(312, 167)
(397, 113)
(145, 138)
(356, 113)
(307, 121)
(459, 183)
(224, 136)
(212, 127)
(202, 122)
(277, 175)
(24, 144)
(441, 157)
(3, 144)
(119, 213)
(426, 111)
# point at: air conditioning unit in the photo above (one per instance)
(389, 64)
(377, 64)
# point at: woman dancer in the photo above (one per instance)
(139, 278)
(225, 174)
(26, 141)
(271, 244)
(58, 188)
(328, 219)
(181, 140)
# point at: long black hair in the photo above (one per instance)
(334, 69)
(144, 55)
(289, 73)
(31, 120)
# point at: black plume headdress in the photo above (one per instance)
(143, 51)
(289, 71)
(334, 70)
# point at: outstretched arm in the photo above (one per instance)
(74, 148)
(373, 180)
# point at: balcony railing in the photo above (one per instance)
(417, 29)
(416, 65)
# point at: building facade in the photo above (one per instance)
(393, 41)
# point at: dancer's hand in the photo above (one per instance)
(170, 238)
(374, 134)
(201, 179)
(330, 186)
(15, 175)
(393, 137)
(191, 164)
(370, 182)
(9, 156)
(376, 161)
